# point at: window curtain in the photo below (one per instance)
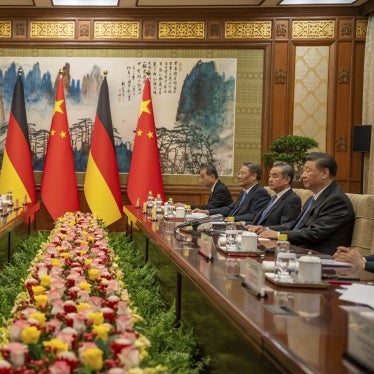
(368, 105)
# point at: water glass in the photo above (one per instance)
(285, 266)
(231, 240)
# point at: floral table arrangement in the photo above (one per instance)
(74, 315)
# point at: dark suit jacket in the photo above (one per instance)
(285, 210)
(369, 266)
(220, 196)
(255, 201)
(328, 225)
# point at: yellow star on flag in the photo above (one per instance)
(53, 132)
(144, 107)
(150, 134)
(58, 108)
(63, 134)
(139, 132)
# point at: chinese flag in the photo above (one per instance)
(58, 189)
(17, 173)
(101, 185)
(145, 169)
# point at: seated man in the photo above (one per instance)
(353, 256)
(327, 218)
(252, 200)
(285, 205)
(219, 193)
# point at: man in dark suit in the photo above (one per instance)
(219, 193)
(284, 206)
(353, 256)
(252, 200)
(327, 219)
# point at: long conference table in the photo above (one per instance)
(310, 337)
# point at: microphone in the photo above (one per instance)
(196, 222)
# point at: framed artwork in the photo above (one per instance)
(194, 101)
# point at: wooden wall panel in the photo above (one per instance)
(280, 83)
(343, 108)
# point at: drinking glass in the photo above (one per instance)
(285, 266)
(231, 240)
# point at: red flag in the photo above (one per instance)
(101, 184)
(145, 169)
(59, 189)
(17, 174)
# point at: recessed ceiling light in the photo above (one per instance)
(85, 2)
(316, 2)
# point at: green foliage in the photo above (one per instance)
(170, 346)
(292, 149)
(13, 274)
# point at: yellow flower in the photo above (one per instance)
(38, 290)
(65, 255)
(45, 280)
(85, 286)
(101, 331)
(41, 300)
(57, 346)
(56, 262)
(83, 306)
(30, 335)
(93, 274)
(38, 316)
(93, 357)
(97, 318)
(88, 261)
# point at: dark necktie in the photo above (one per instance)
(236, 209)
(266, 210)
(306, 211)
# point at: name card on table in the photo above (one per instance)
(254, 279)
(206, 246)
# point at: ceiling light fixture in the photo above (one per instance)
(317, 2)
(85, 2)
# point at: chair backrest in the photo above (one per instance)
(363, 230)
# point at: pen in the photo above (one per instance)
(338, 282)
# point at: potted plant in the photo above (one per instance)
(292, 149)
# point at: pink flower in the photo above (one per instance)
(53, 325)
(16, 327)
(17, 353)
(60, 367)
(129, 357)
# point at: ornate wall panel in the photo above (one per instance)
(310, 95)
(248, 30)
(181, 30)
(116, 30)
(313, 29)
(5, 29)
(52, 30)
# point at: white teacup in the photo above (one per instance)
(249, 241)
(310, 269)
(180, 212)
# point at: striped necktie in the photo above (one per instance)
(306, 211)
(266, 210)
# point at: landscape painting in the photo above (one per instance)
(193, 102)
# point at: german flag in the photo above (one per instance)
(101, 184)
(59, 189)
(17, 173)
